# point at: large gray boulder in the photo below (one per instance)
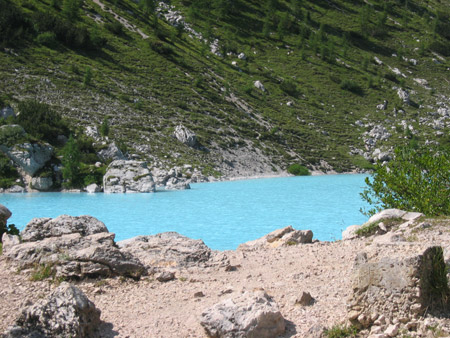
(177, 183)
(167, 249)
(250, 315)
(67, 312)
(398, 287)
(281, 237)
(75, 247)
(42, 183)
(128, 176)
(40, 228)
(5, 213)
(30, 157)
(186, 136)
(112, 152)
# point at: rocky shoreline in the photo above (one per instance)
(283, 284)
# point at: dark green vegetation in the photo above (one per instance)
(416, 180)
(436, 283)
(340, 331)
(372, 228)
(318, 55)
(298, 170)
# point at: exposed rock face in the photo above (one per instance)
(259, 85)
(175, 183)
(111, 153)
(403, 95)
(394, 213)
(128, 176)
(30, 157)
(404, 287)
(248, 315)
(350, 232)
(41, 183)
(281, 237)
(67, 312)
(6, 112)
(167, 249)
(76, 247)
(185, 136)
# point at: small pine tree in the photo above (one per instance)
(87, 77)
(71, 9)
(104, 127)
(71, 163)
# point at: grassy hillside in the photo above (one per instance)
(92, 60)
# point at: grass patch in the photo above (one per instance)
(42, 271)
(340, 331)
(372, 228)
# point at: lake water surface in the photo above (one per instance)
(222, 214)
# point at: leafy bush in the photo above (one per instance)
(47, 39)
(115, 27)
(161, 47)
(11, 135)
(417, 179)
(40, 121)
(298, 170)
(339, 331)
(8, 174)
(289, 87)
(352, 86)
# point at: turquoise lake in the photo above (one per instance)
(222, 214)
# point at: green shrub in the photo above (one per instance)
(298, 170)
(339, 331)
(416, 180)
(11, 135)
(161, 47)
(47, 39)
(352, 86)
(40, 121)
(115, 27)
(289, 87)
(13, 23)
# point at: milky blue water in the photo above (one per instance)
(222, 214)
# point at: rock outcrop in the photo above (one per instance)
(175, 183)
(75, 247)
(30, 157)
(112, 152)
(281, 237)
(248, 315)
(7, 112)
(186, 136)
(67, 312)
(42, 183)
(128, 176)
(168, 249)
(5, 213)
(401, 288)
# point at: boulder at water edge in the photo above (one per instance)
(128, 176)
(4, 214)
(248, 315)
(75, 247)
(282, 237)
(167, 249)
(67, 312)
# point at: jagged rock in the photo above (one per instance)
(281, 237)
(16, 189)
(303, 299)
(92, 131)
(167, 249)
(165, 276)
(383, 106)
(350, 232)
(93, 188)
(67, 312)
(41, 183)
(128, 176)
(242, 56)
(30, 157)
(175, 183)
(381, 155)
(259, 85)
(198, 177)
(397, 287)
(160, 176)
(40, 228)
(393, 213)
(6, 112)
(186, 136)
(403, 95)
(76, 247)
(247, 315)
(111, 153)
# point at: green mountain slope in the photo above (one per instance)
(324, 66)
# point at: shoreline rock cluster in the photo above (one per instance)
(391, 291)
